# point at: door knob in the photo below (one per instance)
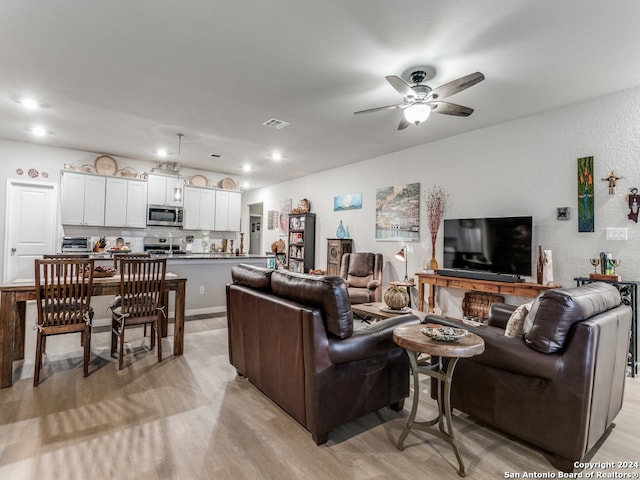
(13, 251)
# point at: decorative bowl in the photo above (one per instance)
(444, 334)
(388, 309)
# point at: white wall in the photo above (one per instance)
(524, 167)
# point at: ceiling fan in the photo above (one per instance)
(420, 100)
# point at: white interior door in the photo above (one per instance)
(255, 236)
(30, 226)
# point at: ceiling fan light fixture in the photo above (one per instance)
(417, 113)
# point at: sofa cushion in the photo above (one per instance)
(252, 276)
(560, 309)
(515, 325)
(329, 294)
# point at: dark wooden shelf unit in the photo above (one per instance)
(302, 242)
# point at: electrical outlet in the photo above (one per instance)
(616, 234)
(201, 289)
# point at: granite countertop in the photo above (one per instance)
(201, 256)
(193, 256)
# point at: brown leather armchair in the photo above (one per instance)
(363, 274)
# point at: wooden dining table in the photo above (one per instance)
(13, 307)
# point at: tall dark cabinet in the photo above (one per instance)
(336, 248)
(302, 242)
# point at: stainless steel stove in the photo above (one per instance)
(162, 245)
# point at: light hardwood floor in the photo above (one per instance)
(191, 417)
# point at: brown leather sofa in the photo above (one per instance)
(363, 274)
(561, 385)
(292, 336)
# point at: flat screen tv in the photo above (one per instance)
(495, 245)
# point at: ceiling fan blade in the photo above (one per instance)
(456, 86)
(450, 109)
(398, 105)
(402, 87)
(403, 123)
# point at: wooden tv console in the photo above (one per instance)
(503, 288)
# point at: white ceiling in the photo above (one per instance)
(124, 77)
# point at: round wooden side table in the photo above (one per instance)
(415, 342)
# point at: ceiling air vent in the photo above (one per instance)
(275, 123)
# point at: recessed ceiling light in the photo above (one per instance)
(29, 103)
(245, 185)
(277, 156)
(39, 131)
(162, 153)
(246, 168)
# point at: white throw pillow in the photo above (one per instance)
(515, 325)
(533, 309)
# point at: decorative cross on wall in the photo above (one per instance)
(612, 182)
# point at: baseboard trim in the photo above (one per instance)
(106, 321)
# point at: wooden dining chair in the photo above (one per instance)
(141, 302)
(116, 264)
(63, 300)
(119, 256)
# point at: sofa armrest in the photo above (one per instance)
(499, 314)
(508, 353)
(373, 284)
(368, 341)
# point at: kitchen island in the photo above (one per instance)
(207, 275)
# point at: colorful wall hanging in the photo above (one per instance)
(586, 216)
(398, 213)
(285, 210)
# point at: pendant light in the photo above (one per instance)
(177, 191)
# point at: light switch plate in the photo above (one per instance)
(616, 234)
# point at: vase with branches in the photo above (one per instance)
(435, 199)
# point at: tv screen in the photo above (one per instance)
(496, 245)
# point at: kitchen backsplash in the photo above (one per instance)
(202, 243)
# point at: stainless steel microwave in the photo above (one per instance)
(165, 216)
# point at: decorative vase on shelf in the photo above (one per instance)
(433, 263)
(341, 232)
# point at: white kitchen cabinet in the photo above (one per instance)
(137, 204)
(199, 208)
(162, 188)
(125, 203)
(235, 210)
(83, 199)
(228, 205)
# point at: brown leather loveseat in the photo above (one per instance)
(292, 336)
(558, 387)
